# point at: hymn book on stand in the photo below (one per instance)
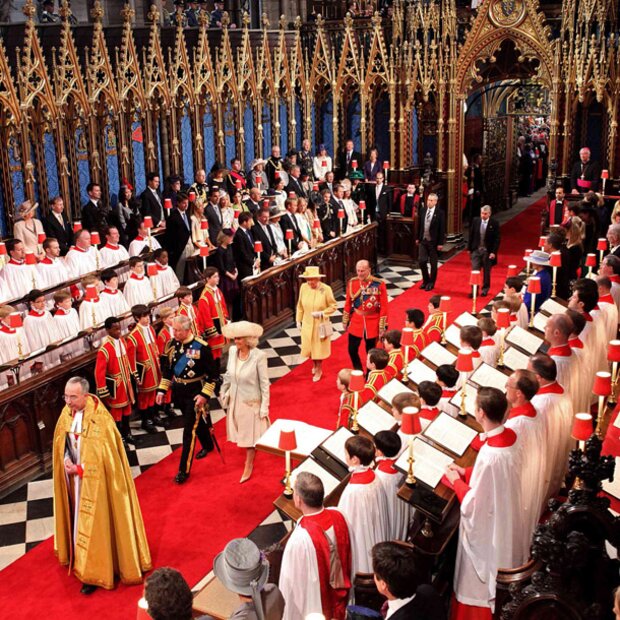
(452, 434)
(373, 418)
(438, 355)
(429, 465)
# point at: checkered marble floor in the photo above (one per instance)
(26, 515)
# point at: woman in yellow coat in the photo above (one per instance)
(316, 304)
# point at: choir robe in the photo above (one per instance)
(319, 541)
(531, 429)
(376, 380)
(427, 415)
(572, 376)
(112, 363)
(400, 513)
(211, 317)
(491, 533)
(79, 262)
(396, 364)
(607, 306)
(11, 341)
(166, 280)
(115, 302)
(144, 357)
(52, 272)
(444, 404)
(615, 290)
(112, 255)
(554, 405)
(433, 327)
(190, 312)
(17, 280)
(523, 316)
(41, 331)
(364, 505)
(489, 351)
(420, 342)
(92, 313)
(594, 337)
(587, 365)
(139, 244)
(138, 290)
(67, 322)
(164, 335)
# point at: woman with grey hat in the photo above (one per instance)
(244, 570)
(28, 229)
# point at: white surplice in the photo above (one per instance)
(41, 331)
(52, 272)
(609, 312)
(166, 280)
(115, 302)
(112, 255)
(400, 512)
(139, 244)
(79, 262)
(572, 376)
(17, 280)
(67, 322)
(92, 313)
(594, 337)
(138, 290)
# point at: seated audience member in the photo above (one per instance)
(66, 316)
(82, 257)
(13, 341)
(447, 379)
(186, 306)
(52, 269)
(346, 402)
(17, 278)
(430, 395)
(115, 300)
(315, 577)
(138, 289)
(491, 532)
(28, 228)
(489, 349)
(167, 595)
(92, 310)
(396, 362)
(388, 447)
(363, 503)
(376, 363)
(396, 577)
(433, 327)
(142, 242)
(166, 280)
(112, 253)
(39, 325)
(414, 318)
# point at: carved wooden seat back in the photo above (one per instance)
(366, 593)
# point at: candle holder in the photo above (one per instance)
(503, 323)
(288, 443)
(465, 365)
(613, 356)
(602, 389)
(411, 426)
(475, 280)
(601, 246)
(406, 341)
(444, 308)
(356, 385)
(555, 260)
(533, 288)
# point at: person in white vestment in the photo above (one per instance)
(112, 253)
(610, 267)
(13, 340)
(491, 533)
(388, 447)
(92, 310)
(114, 300)
(67, 323)
(447, 379)
(531, 428)
(17, 278)
(586, 361)
(513, 287)
(52, 269)
(40, 328)
(489, 348)
(607, 307)
(138, 289)
(142, 242)
(167, 281)
(553, 403)
(320, 540)
(363, 503)
(83, 257)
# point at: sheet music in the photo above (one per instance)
(429, 465)
(551, 306)
(308, 437)
(466, 319)
(438, 355)
(391, 388)
(487, 376)
(450, 433)
(453, 335)
(613, 488)
(514, 359)
(470, 400)
(330, 482)
(524, 340)
(540, 321)
(334, 444)
(418, 371)
(373, 418)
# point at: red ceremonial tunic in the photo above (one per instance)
(376, 380)
(395, 364)
(433, 328)
(345, 410)
(420, 342)
(211, 317)
(165, 334)
(365, 307)
(190, 312)
(145, 357)
(111, 367)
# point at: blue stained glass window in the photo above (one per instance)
(248, 126)
(283, 127)
(209, 139)
(266, 122)
(186, 146)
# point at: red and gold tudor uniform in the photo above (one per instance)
(366, 307)
(143, 353)
(376, 380)
(433, 327)
(164, 336)
(211, 317)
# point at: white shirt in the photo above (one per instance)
(396, 604)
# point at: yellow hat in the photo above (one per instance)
(312, 272)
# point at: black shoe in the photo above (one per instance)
(130, 439)
(180, 478)
(201, 454)
(149, 427)
(485, 292)
(161, 421)
(169, 411)
(423, 286)
(87, 589)
(430, 287)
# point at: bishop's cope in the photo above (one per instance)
(187, 365)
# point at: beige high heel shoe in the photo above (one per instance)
(247, 474)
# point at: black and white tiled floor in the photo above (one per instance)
(26, 515)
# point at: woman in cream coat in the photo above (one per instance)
(316, 304)
(245, 390)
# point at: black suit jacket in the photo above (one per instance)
(345, 169)
(333, 217)
(150, 206)
(294, 185)
(252, 206)
(491, 238)
(285, 224)
(243, 251)
(215, 222)
(268, 249)
(378, 208)
(177, 236)
(94, 217)
(426, 605)
(63, 234)
(437, 229)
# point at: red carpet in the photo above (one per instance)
(188, 525)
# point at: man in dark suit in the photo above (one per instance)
(346, 159)
(94, 214)
(243, 246)
(328, 183)
(254, 200)
(261, 232)
(178, 235)
(56, 225)
(395, 574)
(431, 237)
(214, 215)
(150, 198)
(294, 183)
(483, 245)
(335, 205)
(289, 222)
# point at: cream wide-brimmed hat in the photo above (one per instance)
(312, 272)
(242, 329)
(537, 257)
(26, 207)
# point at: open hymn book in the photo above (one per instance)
(330, 482)
(524, 340)
(391, 389)
(418, 371)
(438, 355)
(452, 434)
(429, 463)
(373, 418)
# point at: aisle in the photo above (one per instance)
(188, 525)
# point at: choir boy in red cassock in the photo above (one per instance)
(414, 318)
(396, 362)
(433, 326)
(212, 314)
(376, 362)
(186, 307)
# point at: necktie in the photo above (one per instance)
(483, 232)
(384, 609)
(185, 219)
(274, 246)
(249, 234)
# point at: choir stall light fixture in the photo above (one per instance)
(287, 442)
(602, 389)
(406, 342)
(503, 323)
(465, 365)
(444, 308)
(356, 385)
(582, 428)
(533, 288)
(613, 356)
(411, 426)
(555, 260)
(475, 281)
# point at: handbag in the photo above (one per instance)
(325, 330)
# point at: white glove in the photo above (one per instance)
(317, 315)
(298, 325)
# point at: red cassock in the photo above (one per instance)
(113, 378)
(145, 356)
(420, 342)
(396, 364)
(190, 312)
(365, 307)
(345, 410)
(433, 328)
(211, 317)
(162, 338)
(376, 380)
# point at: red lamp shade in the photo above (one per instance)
(528, 252)
(324, 164)
(288, 235)
(465, 360)
(613, 351)
(315, 187)
(265, 204)
(258, 179)
(555, 259)
(151, 269)
(444, 304)
(316, 224)
(386, 165)
(276, 175)
(3, 251)
(513, 270)
(604, 174)
(168, 203)
(258, 246)
(204, 250)
(236, 213)
(31, 259)
(354, 164)
(90, 293)
(582, 426)
(77, 226)
(542, 241)
(204, 225)
(475, 278)
(95, 239)
(287, 441)
(410, 424)
(602, 384)
(192, 196)
(15, 320)
(148, 222)
(238, 184)
(601, 244)
(533, 285)
(406, 337)
(362, 205)
(503, 318)
(341, 214)
(292, 194)
(41, 237)
(591, 260)
(357, 382)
